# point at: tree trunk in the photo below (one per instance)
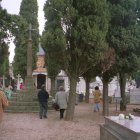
(87, 91)
(52, 91)
(72, 97)
(105, 98)
(122, 81)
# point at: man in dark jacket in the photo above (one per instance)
(43, 97)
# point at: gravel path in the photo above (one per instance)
(28, 126)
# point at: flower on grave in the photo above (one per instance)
(121, 117)
(126, 117)
(131, 117)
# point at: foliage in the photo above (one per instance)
(53, 51)
(28, 15)
(19, 30)
(136, 31)
(84, 26)
(85, 35)
(4, 62)
(5, 21)
(123, 36)
(4, 25)
(53, 41)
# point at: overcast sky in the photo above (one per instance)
(13, 7)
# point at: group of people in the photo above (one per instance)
(8, 91)
(61, 99)
(5, 95)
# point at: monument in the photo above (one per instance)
(26, 100)
(29, 91)
(29, 83)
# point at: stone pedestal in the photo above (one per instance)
(29, 92)
(26, 99)
(115, 129)
(29, 83)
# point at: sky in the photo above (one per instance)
(12, 7)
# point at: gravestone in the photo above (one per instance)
(135, 96)
(115, 129)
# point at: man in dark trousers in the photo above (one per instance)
(43, 97)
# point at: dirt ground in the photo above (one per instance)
(28, 126)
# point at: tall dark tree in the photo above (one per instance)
(29, 13)
(122, 37)
(136, 75)
(53, 42)
(106, 71)
(4, 61)
(89, 76)
(19, 30)
(84, 26)
(5, 20)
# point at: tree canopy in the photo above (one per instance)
(83, 25)
(121, 35)
(28, 15)
(5, 21)
(123, 38)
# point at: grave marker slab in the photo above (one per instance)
(115, 129)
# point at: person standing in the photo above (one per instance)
(8, 91)
(61, 98)
(3, 103)
(43, 97)
(21, 86)
(96, 95)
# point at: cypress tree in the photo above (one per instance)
(5, 22)
(28, 15)
(83, 26)
(122, 36)
(53, 42)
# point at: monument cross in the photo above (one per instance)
(29, 52)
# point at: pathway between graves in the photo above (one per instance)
(28, 126)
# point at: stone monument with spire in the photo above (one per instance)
(29, 91)
(26, 99)
(29, 83)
